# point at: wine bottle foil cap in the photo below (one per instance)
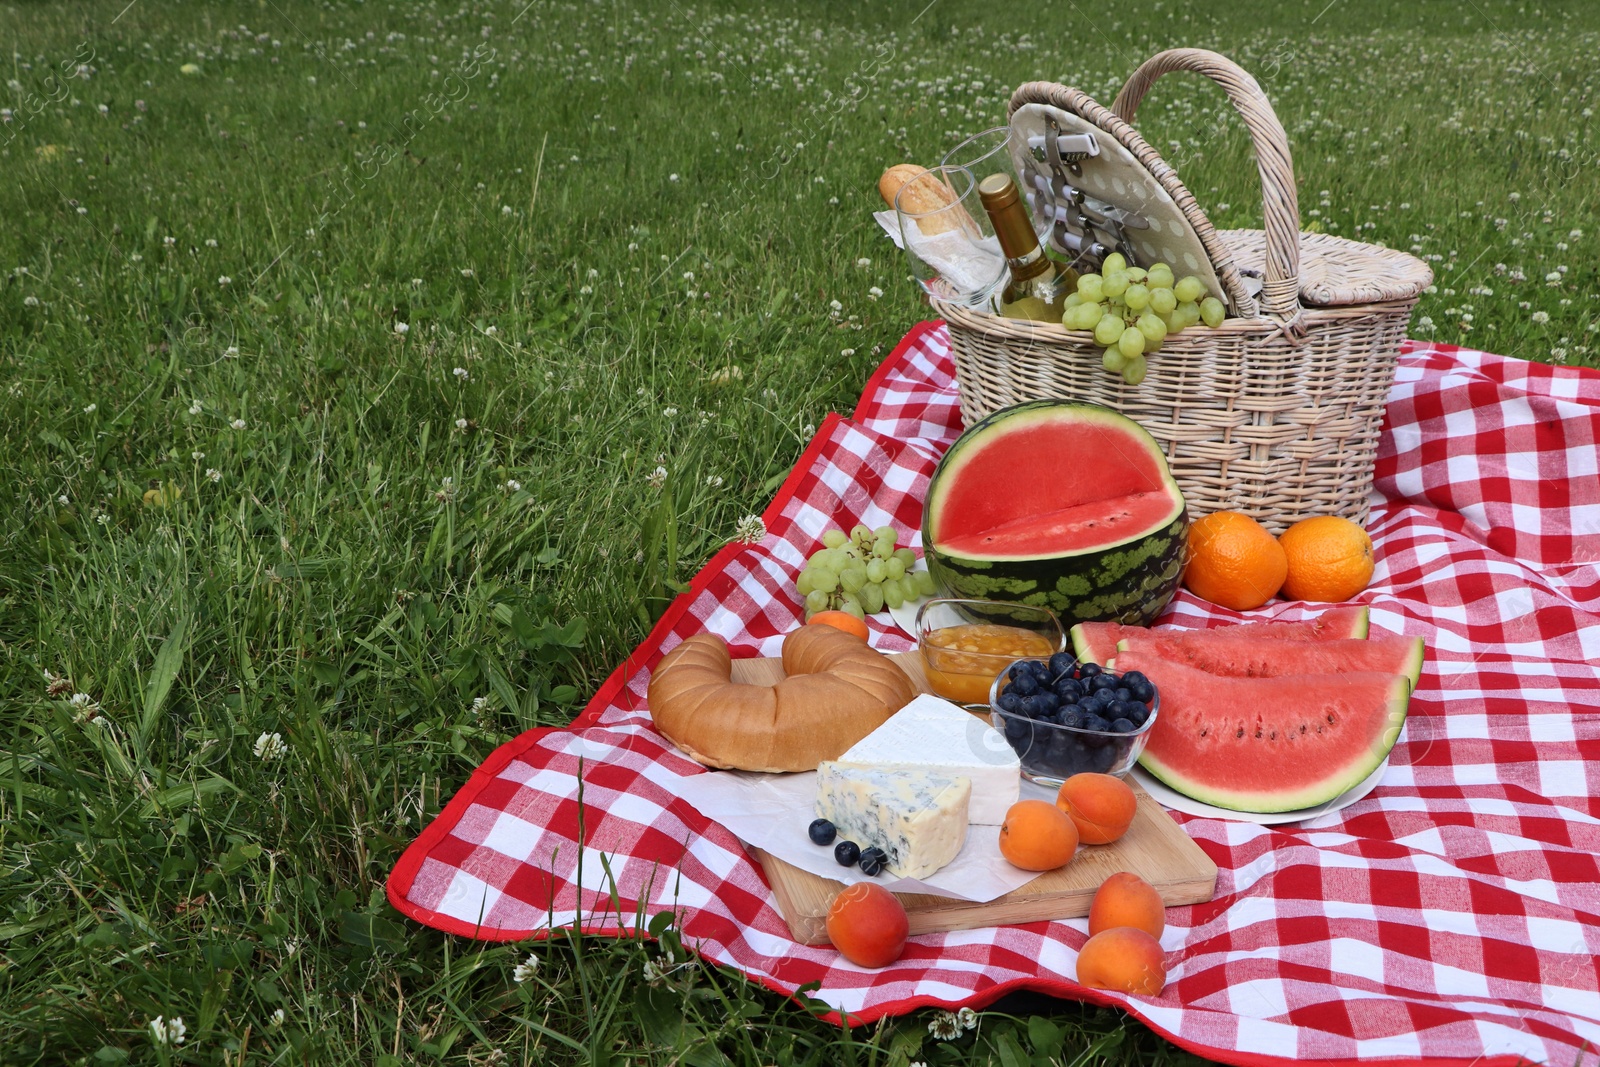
(997, 191)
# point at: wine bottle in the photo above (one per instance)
(1039, 285)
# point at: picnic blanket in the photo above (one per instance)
(1453, 914)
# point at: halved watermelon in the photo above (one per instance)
(1096, 642)
(1268, 744)
(1248, 656)
(1057, 503)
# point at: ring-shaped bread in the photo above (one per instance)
(836, 692)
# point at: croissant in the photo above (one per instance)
(837, 692)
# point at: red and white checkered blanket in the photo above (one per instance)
(1452, 914)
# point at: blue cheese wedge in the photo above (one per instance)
(918, 818)
(936, 736)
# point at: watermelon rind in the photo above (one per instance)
(1096, 642)
(1324, 771)
(1130, 581)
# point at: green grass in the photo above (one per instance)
(625, 224)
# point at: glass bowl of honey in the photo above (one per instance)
(965, 643)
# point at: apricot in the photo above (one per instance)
(1037, 836)
(1127, 900)
(868, 925)
(1101, 806)
(840, 620)
(1124, 959)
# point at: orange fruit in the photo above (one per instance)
(840, 620)
(1330, 559)
(1233, 561)
(1037, 836)
(868, 924)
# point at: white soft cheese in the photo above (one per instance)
(918, 818)
(930, 734)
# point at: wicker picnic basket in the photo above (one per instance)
(1276, 412)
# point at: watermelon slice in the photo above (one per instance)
(1248, 656)
(1096, 642)
(1268, 744)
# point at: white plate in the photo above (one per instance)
(905, 616)
(1173, 799)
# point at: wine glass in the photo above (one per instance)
(1000, 151)
(949, 240)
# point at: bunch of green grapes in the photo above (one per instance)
(1132, 310)
(861, 572)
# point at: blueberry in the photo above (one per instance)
(1017, 669)
(846, 853)
(1098, 701)
(1071, 716)
(1040, 669)
(1139, 686)
(1038, 705)
(1101, 760)
(1140, 715)
(1024, 684)
(1096, 723)
(1068, 690)
(1125, 709)
(1123, 726)
(1018, 730)
(1061, 665)
(1103, 681)
(1009, 701)
(1088, 670)
(1122, 693)
(873, 860)
(822, 832)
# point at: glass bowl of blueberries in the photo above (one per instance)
(1063, 717)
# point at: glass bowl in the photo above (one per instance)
(960, 664)
(1052, 752)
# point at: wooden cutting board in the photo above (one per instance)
(1155, 848)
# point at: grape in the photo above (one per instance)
(1154, 330)
(1113, 360)
(802, 584)
(1082, 317)
(908, 556)
(1160, 276)
(1114, 261)
(1137, 274)
(882, 550)
(1115, 284)
(835, 538)
(877, 571)
(1137, 297)
(851, 579)
(1133, 372)
(1188, 313)
(872, 598)
(816, 601)
(1108, 330)
(896, 567)
(893, 595)
(924, 580)
(853, 606)
(1211, 310)
(885, 533)
(1131, 343)
(1174, 321)
(839, 559)
(823, 580)
(1189, 288)
(1073, 299)
(1162, 300)
(1089, 287)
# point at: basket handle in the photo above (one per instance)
(1280, 294)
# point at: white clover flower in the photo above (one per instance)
(90, 409)
(194, 408)
(224, 281)
(944, 1026)
(657, 477)
(479, 705)
(270, 747)
(231, 352)
(967, 1018)
(513, 486)
(874, 293)
(446, 491)
(585, 290)
(863, 262)
(1554, 277)
(490, 331)
(1558, 354)
(750, 531)
(275, 1020)
(672, 177)
(1425, 323)
(237, 424)
(669, 412)
(197, 455)
(461, 374)
(847, 351)
(1540, 317)
(169, 241)
(213, 474)
(505, 209)
(835, 307)
(63, 500)
(30, 301)
(83, 210)
(402, 328)
(466, 272)
(526, 969)
(712, 480)
(211, 242)
(461, 424)
(168, 1031)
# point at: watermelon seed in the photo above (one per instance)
(1240, 734)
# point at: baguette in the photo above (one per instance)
(929, 194)
(837, 692)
